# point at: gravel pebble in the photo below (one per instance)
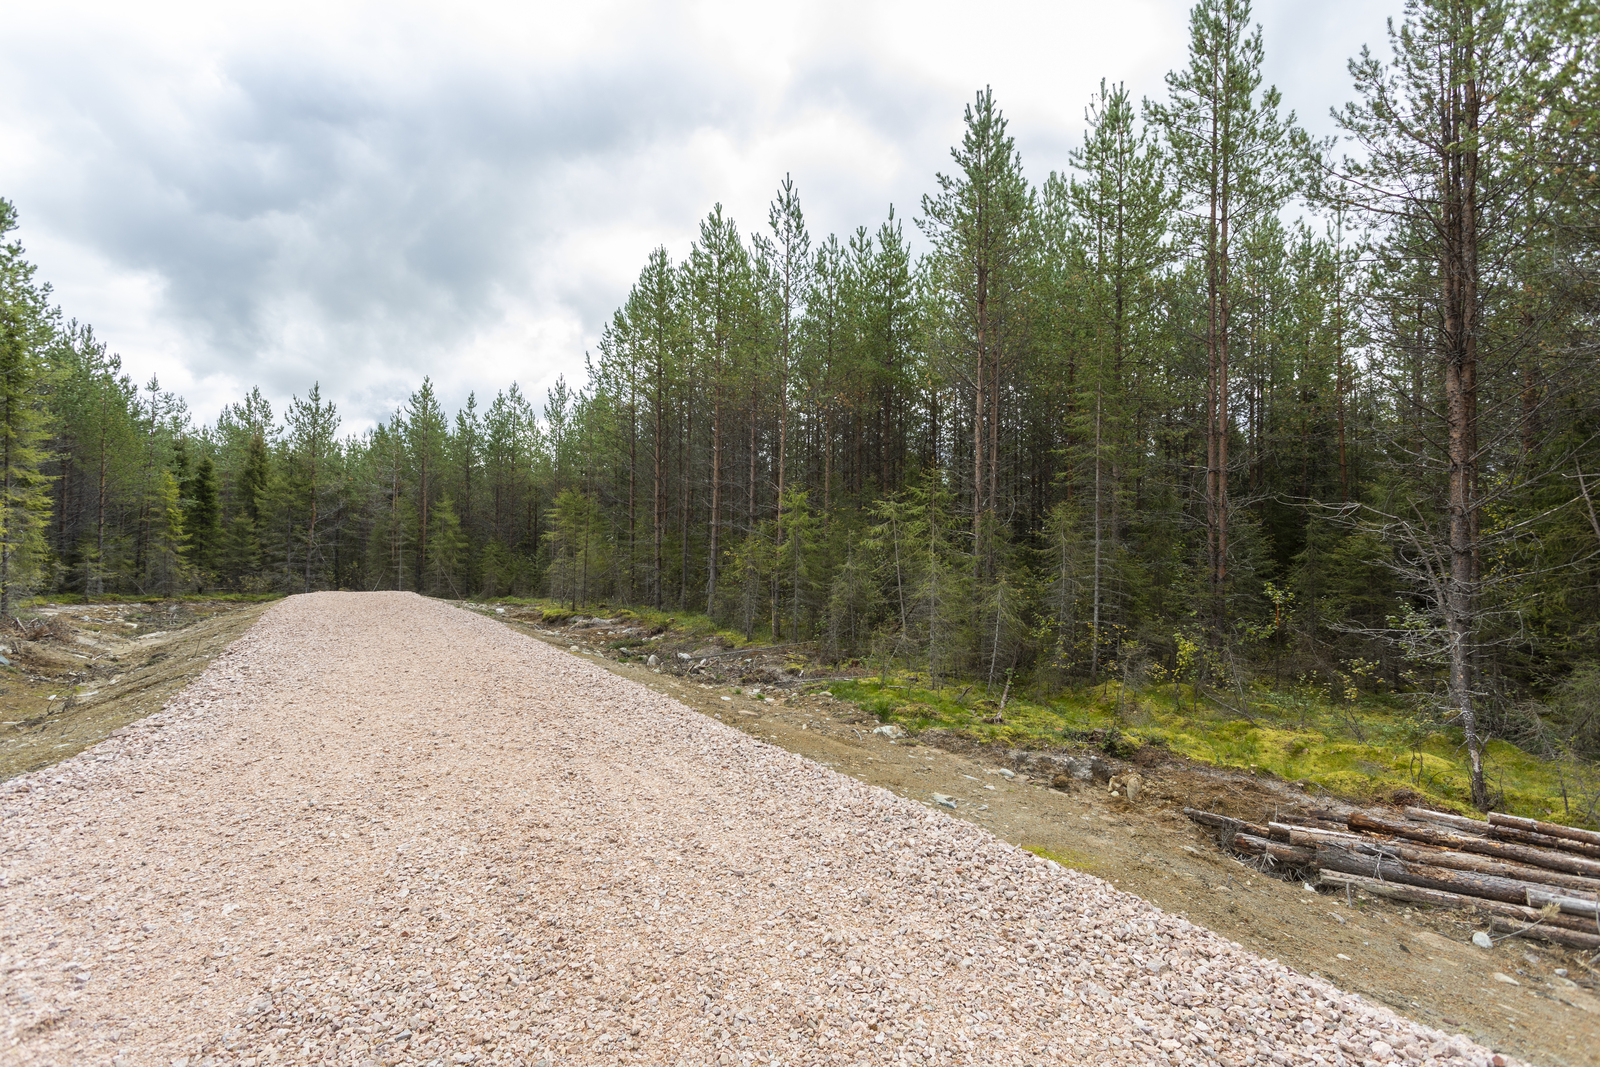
(383, 830)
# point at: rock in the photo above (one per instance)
(944, 801)
(1127, 785)
(1482, 940)
(891, 730)
(499, 611)
(572, 648)
(1002, 772)
(1382, 1049)
(1506, 978)
(653, 661)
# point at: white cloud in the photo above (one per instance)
(363, 194)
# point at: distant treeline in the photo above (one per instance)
(1132, 418)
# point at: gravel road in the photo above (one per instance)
(383, 830)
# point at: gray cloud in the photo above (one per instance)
(363, 209)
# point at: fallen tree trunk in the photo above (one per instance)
(1293, 855)
(1447, 818)
(1572, 905)
(1536, 857)
(1413, 852)
(1419, 895)
(1548, 829)
(1545, 932)
(1226, 822)
(1309, 836)
(1516, 829)
(1467, 883)
(1537, 840)
(1314, 821)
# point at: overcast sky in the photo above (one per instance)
(361, 195)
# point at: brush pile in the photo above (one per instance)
(1527, 878)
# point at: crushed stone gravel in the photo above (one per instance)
(383, 830)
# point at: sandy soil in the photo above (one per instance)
(380, 829)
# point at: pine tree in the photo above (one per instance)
(425, 433)
(26, 323)
(312, 453)
(1236, 161)
(788, 255)
(202, 517)
(166, 561)
(978, 225)
(1120, 207)
(720, 278)
(1440, 126)
(447, 548)
(239, 556)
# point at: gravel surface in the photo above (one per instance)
(380, 829)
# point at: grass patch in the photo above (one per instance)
(1078, 861)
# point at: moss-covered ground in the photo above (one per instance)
(1369, 748)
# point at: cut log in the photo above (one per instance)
(1549, 829)
(1294, 856)
(1412, 852)
(1545, 932)
(1311, 836)
(1418, 895)
(1312, 821)
(1226, 822)
(1536, 857)
(1559, 844)
(1468, 883)
(1572, 905)
(1459, 822)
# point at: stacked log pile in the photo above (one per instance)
(1526, 878)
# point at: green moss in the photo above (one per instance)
(1375, 749)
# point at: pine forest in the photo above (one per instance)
(1214, 405)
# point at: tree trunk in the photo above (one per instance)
(100, 508)
(716, 495)
(977, 416)
(658, 502)
(1458, 281)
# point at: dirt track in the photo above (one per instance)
(380, 829)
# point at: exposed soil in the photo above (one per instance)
(1419, 961)
(379, 830)
(93, 668)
